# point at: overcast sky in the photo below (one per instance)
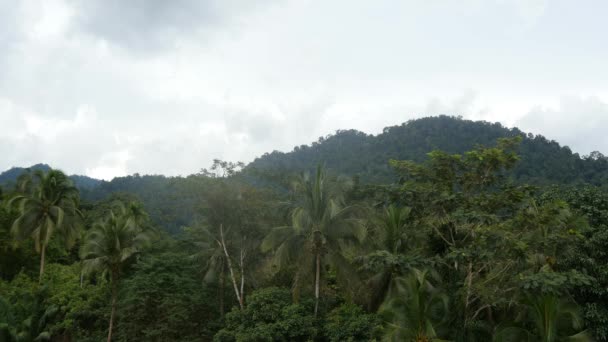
(110, 87)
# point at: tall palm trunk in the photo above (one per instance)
(114, 299)
(317, 282)
(42, 254)
(229, 263)
(242, 262)
(221, 290)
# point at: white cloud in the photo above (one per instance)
(112, 87)
(579, 122)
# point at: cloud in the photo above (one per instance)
(579, 122)
(115, 87)
(150, 25)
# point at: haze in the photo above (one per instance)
(109, 88)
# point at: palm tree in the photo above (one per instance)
(389, 260)
(321, 226)
(553, 320)
(211, 254)
(134, 213)
(417, 310)
(109, 244)
(52, 205)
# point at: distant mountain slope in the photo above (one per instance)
(355, 153)
(173, 202)
(9, 177)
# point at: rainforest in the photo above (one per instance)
(439, 229)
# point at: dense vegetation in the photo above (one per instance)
(469, 243)
(355, 153)
(173, 202)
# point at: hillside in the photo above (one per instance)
(355, 153)
(8, 177)
(174, 201)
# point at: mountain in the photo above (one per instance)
(366, 156)
(173, 202)
(9, 177)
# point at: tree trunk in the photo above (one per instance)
(222, 285)
(468, 283)
(42, 254)
(236, 288)
(242, 262)
(296, 288)
(114, 299)
(317, 281)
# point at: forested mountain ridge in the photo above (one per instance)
(171, 201)
(9, 177)
(352, 152)
(453, 250)
(355, 153)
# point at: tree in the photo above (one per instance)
(395, 253)
(51, 206)
(228, 234)
(24, 313)
(551, 315)
(349, 322)
(465, 204)
(589, 253)
(416, 310)
(552, 319)
(210, 254)
(162, 299)
(269, 316)
(321, 227)
(109, 244)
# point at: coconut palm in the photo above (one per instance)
(50, 206)
(321, 227)
(134, 213)
(392, 257)
(553, 319)
(108, 245)
(417, 309)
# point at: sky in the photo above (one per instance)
(108, 88)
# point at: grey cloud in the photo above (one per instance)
(577, 122)
(247, 77)
(155, 24)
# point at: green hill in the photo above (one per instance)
(355, 153)
(174, 201)
(9, 177)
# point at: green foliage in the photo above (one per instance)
(269, 316)
(548, 282)
(355, 153)
(163, 301)
(321, 229)
(545, 318)
(23, 313)
(418, 309)
(458, 248)
(81, 306)
(590, 253)
(114, 241)
(349, 322)
(49, 203)
(14, 257)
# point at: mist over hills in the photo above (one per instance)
(171, 201)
